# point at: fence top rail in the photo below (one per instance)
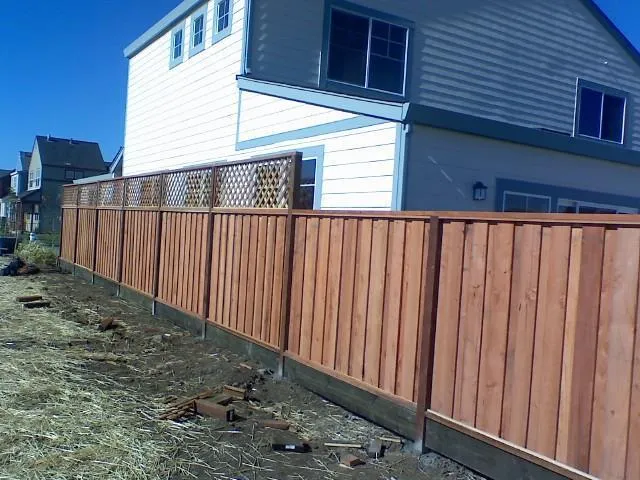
(575, 219)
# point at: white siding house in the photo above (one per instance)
(403, 104)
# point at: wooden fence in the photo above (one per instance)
(520, 328)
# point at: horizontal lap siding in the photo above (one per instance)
(69, 218)
(356, 296)
(247, 265)
(536, 339)
(108, 246)
(86, 237)
(139, 247)
(182, 260)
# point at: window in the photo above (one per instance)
(222, 20)
(600, 112)
(177, 42)
(522, 202)
(73, 174)
(14, 183)
(34, 179)
(198, 31)
(576, 206)
(306, 195)
(367, 52)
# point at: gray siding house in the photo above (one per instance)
(53, 163)
(508, 105)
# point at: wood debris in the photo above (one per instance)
(235, 392)
(37, 304)
(211, 409)
(28, 298)
(107, 324)
(275, 424)
(186, 406)
(351, 461)
(342, 445)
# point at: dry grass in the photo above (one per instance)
(37, 253)
(57, 421)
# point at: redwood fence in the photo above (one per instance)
(517, 329)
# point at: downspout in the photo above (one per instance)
(400, 170)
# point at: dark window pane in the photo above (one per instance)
(348, 48)
(566, 208)
(396, 51)
(613, 118)
(590, 110)
(398, 34)
(305, 198)
(537, 205)
(379, 47)
(386, 74)
(308, 174)
(515, 203)
(380, 29)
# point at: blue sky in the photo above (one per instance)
(62, 71)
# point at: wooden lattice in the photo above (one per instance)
(88, 195)
(187, 189)
(110, 194)
(69, 196)
(257, 184)
(143, 191)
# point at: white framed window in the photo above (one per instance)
(34, 179)
(14, 184)
(176, 52)
(525, 202)
(566, 205)
(600, 112)
(367, 52)
(222, 19)
(198, 31)
(306, 195)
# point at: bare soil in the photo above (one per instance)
(156, 362)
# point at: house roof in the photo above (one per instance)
(70, 152)
(31, 196)
(167, 22)
(25, 158)
(187, 6)
(116, 161)
(5, 173)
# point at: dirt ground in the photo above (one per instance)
(79, 403)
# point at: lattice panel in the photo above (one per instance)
(69, 196)
(88, 195)
(259, 184)
(143, 191)
(110, 194)
(187, 189)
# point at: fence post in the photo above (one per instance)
(95, 235)
(75, 241)
(206, 294)
(285, 315)
(121, 240)
(426, 340)
(156, 258)
(61, 229)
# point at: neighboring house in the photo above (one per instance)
(114, 169)
(53, 163)
(517, 105)
(6, 196)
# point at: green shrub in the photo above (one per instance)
(34, 252)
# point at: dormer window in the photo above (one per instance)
(600, 112)
(34, 179)
(177, 44)
(198, 31)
